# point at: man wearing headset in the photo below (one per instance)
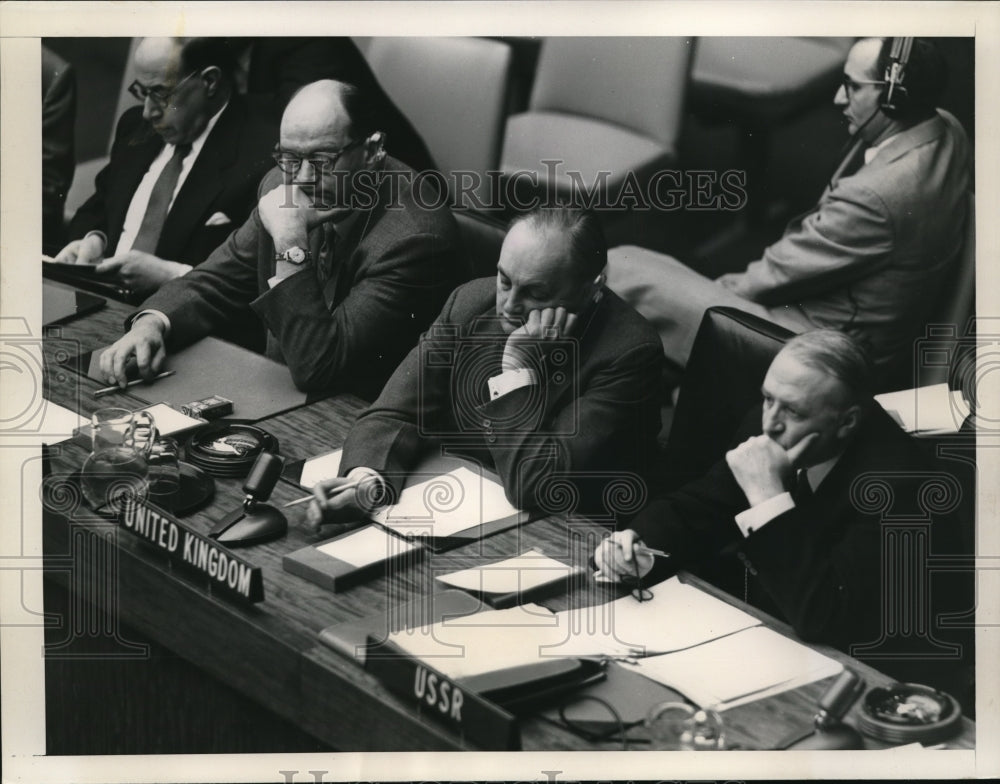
(540, 373)
(341, 260)
(871, 256)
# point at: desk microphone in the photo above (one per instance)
(255, 522)
(829, 731)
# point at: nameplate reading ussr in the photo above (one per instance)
(442, 699)
(192, 551)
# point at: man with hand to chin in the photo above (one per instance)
(342, 261)
(539, 373)
(778, 523)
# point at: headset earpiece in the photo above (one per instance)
(375, 144)
(894, 100)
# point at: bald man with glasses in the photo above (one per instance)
(345, 260)
(184, 168)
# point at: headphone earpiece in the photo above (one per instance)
(377, 141)
(895, 98)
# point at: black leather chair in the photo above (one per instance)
(730, 357)
(482, 238)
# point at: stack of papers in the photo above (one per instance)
(447, 504)
(713, 653)
(678, 617)
(510, 581)
(933, 409)
(743, 667)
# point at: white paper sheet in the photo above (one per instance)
(930, 409)
(514, 575)
(677, 616)
(321, 467)
(497, 639)
(169, 420)
(743, 667)
(366, 546)
(446, 504)
(481, 642)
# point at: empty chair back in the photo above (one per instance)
(453, 90)
(639, 83)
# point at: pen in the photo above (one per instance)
(650, 551)
(330, 494)
(116, 388)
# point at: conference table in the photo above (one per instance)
(269, 653)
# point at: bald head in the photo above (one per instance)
(318, 111)
(864, 55)
(185, 81)
(159, 56)
(325, 126)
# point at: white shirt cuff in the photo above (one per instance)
(164, 320)
(510, 380)
(284, 269)
(756, 517)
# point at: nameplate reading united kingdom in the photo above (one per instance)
(192, 551)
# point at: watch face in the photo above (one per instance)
(295, 255)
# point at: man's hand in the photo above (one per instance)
(144, 342)
(340, 508)
(615, 557)
(89, 250)
(142, 272)
(763, 468)
(287, 213)
(545, 324)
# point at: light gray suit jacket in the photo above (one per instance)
(871, 256)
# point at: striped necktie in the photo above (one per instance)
(159, 202)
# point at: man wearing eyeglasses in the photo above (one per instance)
(873, 253)
(183, 172)
(345, 260)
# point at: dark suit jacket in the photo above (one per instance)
(820, 566)
(594, 421)
(224, 179)
(58, 116)
(394, 269)
(280, 66)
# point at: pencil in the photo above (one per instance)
(650, 551)
(330, 494)
(116, 388)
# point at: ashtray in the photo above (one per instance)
(228, 448)
(908, 713)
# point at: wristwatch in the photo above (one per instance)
(294, 255)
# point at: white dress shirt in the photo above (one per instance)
(871, 152)
(756, 517)
(140, 199)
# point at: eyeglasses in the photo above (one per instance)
(639, 593)
(159, 95)
(850, 85)
(323, 162)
